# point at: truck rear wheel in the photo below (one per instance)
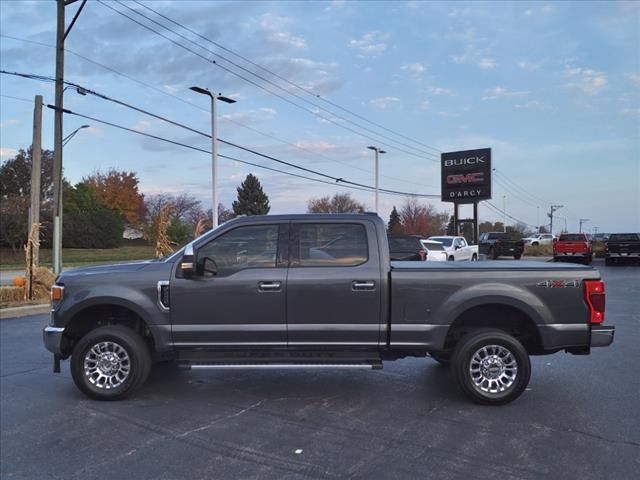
(492, 253)
(491, 367)
(110, 362)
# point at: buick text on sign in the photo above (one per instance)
(466, 176)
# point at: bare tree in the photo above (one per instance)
(422, 219)
(339, 203)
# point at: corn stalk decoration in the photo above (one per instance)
(33, 242)
(163, 244)
(201, 227)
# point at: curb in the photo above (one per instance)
(15, 312)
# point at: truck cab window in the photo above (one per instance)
(331, 244)
(241, 248)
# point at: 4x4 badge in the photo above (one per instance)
(559, 284)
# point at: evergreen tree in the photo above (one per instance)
(395, 224)
(251, 199)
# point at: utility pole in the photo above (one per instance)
(36, 155)
(504, 213)
(61, 35)
(379, 152)
(582, 220)
(553, 209)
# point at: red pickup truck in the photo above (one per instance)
(573, 246)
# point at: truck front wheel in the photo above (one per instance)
(491, 367)
(110, 362)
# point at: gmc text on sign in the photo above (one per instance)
(466, 176)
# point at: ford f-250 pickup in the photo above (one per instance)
(313, 291)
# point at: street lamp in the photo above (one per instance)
(214, 151)
(378, 151)
(68, 138)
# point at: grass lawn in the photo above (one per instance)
(76, 257)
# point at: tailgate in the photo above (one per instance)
(571, 247)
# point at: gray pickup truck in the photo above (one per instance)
(313, 291)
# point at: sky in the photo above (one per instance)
(553, 88)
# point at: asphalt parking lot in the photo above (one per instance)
(580, 417)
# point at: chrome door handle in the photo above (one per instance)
(269, 286)
(363, 285)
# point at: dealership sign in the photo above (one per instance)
(466, 176)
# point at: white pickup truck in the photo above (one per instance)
(457, 248)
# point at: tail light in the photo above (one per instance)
(423, 255)
(595, 298)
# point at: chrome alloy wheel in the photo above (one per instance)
(107, 365)
(493, 369)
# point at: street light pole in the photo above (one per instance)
(214, 149)
(582, 220)
(378, 151)
(504, 213)
(68, 138)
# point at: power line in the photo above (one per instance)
(514, 192)
(262, 87)
(85, 91)
(270, 82)
(17, 98)
(343, 183)
(501, 212)
(158, 90)
(296, 85)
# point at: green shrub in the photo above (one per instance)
(100, 228)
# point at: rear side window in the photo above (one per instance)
(499, 236)
(573, 238)
(331, 244)
(433, 246)
(402, 244)
(624, 237)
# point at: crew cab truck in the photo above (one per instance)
(572, 246)
(457, 248)
(498, 244)
(622, 247)
(312, 291)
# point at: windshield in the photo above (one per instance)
(623, 237)
(572, 237)
(443, 240)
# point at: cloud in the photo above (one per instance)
(474, 56)
(371, 44)
(274, 26)
(534, 105)
(438, 91)
(384, 102)
(8, 123)
(8, 152)
(634, 78)
(413, 69)
(425, 105)
(486, 63)
(502, 92)
(526, 65)
(251, 116)
(586, 81)
(315, 147)
(635, 112)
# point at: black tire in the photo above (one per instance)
(493, 254)
(509, 352)
(535, 244)
(517, 257)
(441, 358)
(118, 341)
(451, 259)
(474, 258)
